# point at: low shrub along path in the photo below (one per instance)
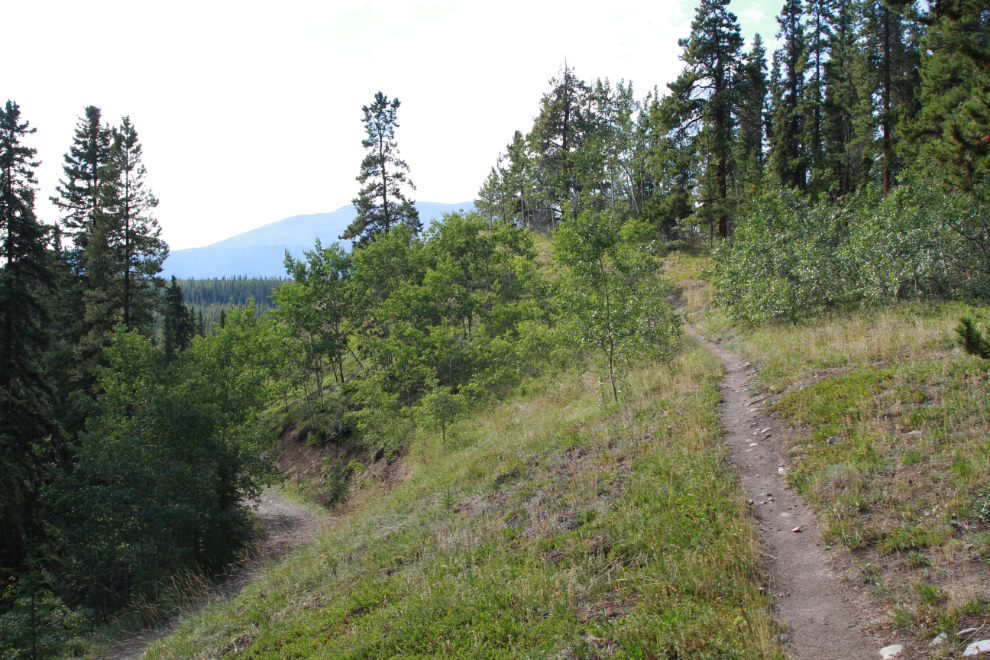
(821, 622)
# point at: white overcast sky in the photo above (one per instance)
(250, 112)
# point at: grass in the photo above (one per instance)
(889, 444)
(553, 526)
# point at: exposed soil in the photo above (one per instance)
(287, 526)
(823, 619)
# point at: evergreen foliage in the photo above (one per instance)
(381, 203)
(971, 339)
(131, 235)
(178, 324)
(25, 395)
(850, 172)
(78, 194)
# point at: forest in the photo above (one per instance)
(847, 169)
(207, 299)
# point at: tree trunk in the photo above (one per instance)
(886, 101)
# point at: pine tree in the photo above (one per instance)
(668, 156)
(707, 91)
(516, 179)
(25, 401)
(789, 157)
(558, 131)
(381, 203)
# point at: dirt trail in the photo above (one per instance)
(287, 526)
(822, 621)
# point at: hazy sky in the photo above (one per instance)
(250, 112)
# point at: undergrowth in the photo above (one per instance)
(552, 526)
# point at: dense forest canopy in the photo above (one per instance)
(847, 167)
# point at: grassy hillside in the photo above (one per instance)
(552, 526)
(889, 424)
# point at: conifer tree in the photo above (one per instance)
(819, 16)
(78, 196)
(381, 203)
(888, 79)
(840, 100)
(516, 179)
(79, 192)
(25, 403)
(130, 233)
(557, 132)
(953, 126)
(707, 90)
(789, 158)
(178, 324)
(750, 157)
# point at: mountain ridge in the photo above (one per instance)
(260, 252)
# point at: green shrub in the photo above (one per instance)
(794, 259)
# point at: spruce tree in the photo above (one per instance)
(840, 100)
(789, 157)
(178, 323)
(707, 91)
(25, 401)
(750, 158)
(888, 80)
(381, 203)
(130, 233)
(78, 196)
(79, 192)
(819, 38)
(953, 127)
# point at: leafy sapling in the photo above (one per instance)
(614, 296)
(438, 409)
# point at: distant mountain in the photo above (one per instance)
(260, 252)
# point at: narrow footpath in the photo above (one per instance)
(822, 623)
(287, 526)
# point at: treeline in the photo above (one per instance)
(233, 291)
(209, 299)
(860, 93)
(123, 458)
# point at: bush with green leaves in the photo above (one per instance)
(163, 468)
(461, 309)
(793, 258)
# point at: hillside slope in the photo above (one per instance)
(260, 252)
(553, 526)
